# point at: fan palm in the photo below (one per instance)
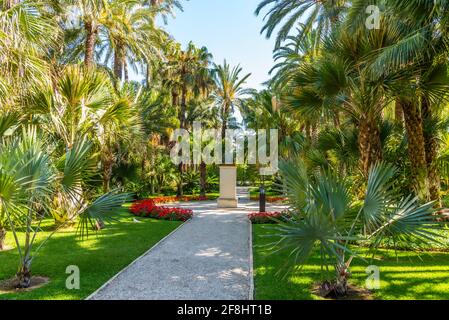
(342, 77)
(29, 179)
(83, 103)
(327, 219)
(419, 53)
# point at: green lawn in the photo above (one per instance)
(98, 258)
(412, 277)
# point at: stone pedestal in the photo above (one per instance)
(228, 184)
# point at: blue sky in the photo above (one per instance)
(229, 29)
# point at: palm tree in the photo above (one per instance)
(188, 75)
(83, 103)
(229, 89)
(265, 110)
(23, 52)
(341, 80)
(201, 110)
(29, 179)
(130, 37)
(317, 15)
(327, 218)
(418, 56)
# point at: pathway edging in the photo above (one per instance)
(251, 263)
(137, 260)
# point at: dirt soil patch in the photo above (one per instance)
(10, 285)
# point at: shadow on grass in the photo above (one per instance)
(98, 258)
(408, 276)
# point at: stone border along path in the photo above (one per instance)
(207, 258)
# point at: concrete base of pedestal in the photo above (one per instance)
(227, 203)
(228, 184)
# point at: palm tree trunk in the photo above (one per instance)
(125, 70)
(431, 147)
(416, 146)
(24, 275)
(91, 37)
(8, 4)
(180, 192)
(2, 238)
(369, 143)
(182, 115)
(118, 65)
(398, 112)
(203, 174)
(107, 174)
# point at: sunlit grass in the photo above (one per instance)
(98, 258)
(407, 277)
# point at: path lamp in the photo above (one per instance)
(262, 199)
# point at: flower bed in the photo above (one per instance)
(265, 217)
(270, 199)
(168, 199)
(148, 208)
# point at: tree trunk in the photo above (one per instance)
(398, 113)
(107, 174)
(180, 192)
(2, 238)
(370, 146)
(118, 62)
(203, 174)
(431, 147)
(416, 147)
(91, 37)
(24, 276)
(182, 115)
(8, 4)
(125, 67)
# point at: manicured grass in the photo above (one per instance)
(410, 277)
(98, 258)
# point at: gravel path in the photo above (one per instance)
(207, 258)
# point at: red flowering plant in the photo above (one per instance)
(148, 208)
(270, 199)
(168, 199)
(267, 217)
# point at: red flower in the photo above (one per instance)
(270, 199)
(265, 217)
(148, 208)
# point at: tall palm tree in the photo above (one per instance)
(419, 55)
(341, 79)
(265, 110)
(229, 90)
(307, 15)
(23, 52)
(188, 75)
(130, 37)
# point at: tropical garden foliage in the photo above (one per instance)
(78, 137)
(362, 113)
